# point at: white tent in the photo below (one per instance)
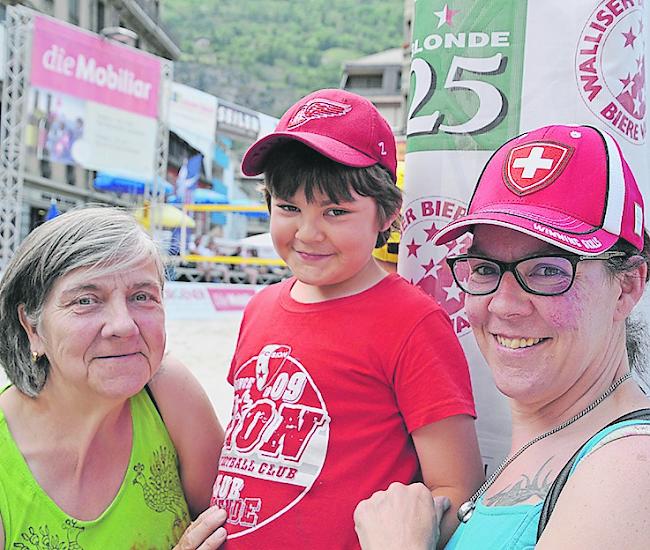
(262, 243)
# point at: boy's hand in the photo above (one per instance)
(402, 517)
(204, 533)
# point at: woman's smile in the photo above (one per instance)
(518, 342)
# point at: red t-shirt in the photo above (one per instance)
(326, 395)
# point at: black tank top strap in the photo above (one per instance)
(563, 476)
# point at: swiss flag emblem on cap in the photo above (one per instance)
(533, 166)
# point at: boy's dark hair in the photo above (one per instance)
(292, 164)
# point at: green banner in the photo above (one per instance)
(466, 74)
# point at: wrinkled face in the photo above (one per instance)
(104, 334)
(327, 245)
(539, 346)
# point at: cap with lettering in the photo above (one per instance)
(340, 125)
(567, 185)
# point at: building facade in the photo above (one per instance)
(379, 78)
(384, 78)
(134, 22)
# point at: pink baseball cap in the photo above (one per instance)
(340, 125)
(566, 185)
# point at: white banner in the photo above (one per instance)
(482, 73)
(193, 116)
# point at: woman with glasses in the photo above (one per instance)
(558, 261)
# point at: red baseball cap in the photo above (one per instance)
(340, 125)
(566, 185)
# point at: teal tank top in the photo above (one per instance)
(149, 511)
(515, 527)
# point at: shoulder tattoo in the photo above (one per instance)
(524, 489)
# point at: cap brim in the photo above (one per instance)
(254, 160)
(547, 225)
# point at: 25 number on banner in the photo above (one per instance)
(492, 108)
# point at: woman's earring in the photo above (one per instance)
(34, 357)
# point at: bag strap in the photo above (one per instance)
(563, 476)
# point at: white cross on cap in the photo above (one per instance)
(638, 219)
(533, 162)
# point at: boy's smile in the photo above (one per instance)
(327, 245)
(312, 256)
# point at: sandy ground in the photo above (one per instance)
(206, 347)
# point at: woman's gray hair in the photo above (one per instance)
(636, 340)
(636, 327)
(104, 239)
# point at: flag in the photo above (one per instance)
(188, 176)
(52, 211)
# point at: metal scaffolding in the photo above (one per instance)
(12, 129)
(154, 192)
(19, 27)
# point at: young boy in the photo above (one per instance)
(346, 378)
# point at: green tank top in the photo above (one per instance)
(149, 511)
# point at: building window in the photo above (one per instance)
(363, 81)
(48, 7)
(101, 15)
(45, 168)
(73, 11)
(70, 175)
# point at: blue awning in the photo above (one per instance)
(201, 196)
(120, 184)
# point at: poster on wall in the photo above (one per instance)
(193, 117)
(482, 73)
(92, 102)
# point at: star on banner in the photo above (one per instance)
(431, 232)
(431, 268)
(630, 37)
(458, 247)
(453, 292)
(626, 82)
(445, 16)
(413, 248)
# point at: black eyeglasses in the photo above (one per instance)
(542, 274)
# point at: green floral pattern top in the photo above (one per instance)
(149, 511)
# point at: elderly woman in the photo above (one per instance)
(102, 447)
(558, 261)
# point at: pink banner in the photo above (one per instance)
(225, 298)
(202, 301)
(83, 65)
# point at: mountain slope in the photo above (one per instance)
(265, 54)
